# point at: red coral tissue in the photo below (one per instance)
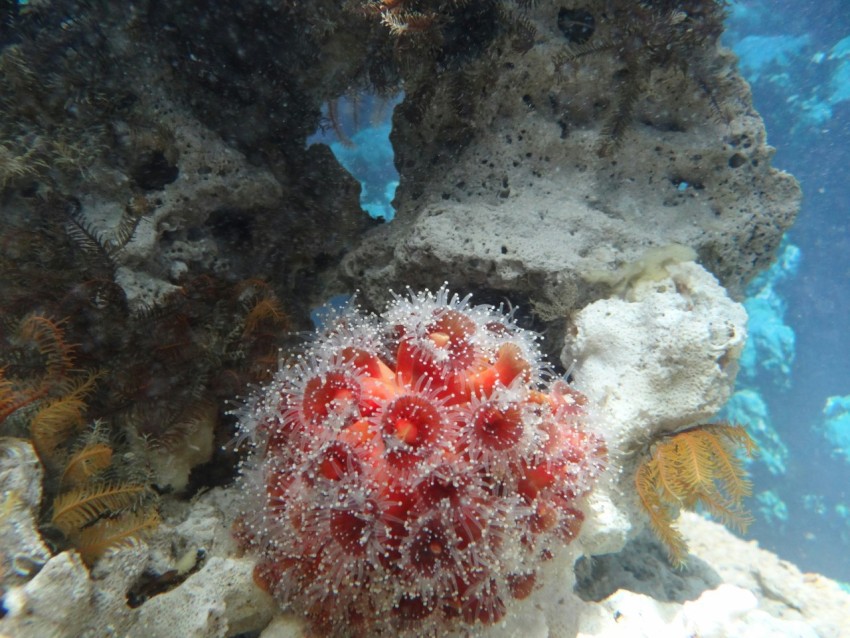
(413, 470)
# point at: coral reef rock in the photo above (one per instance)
(663, 357)
(730, 587)
(170, 152)
(522, 171)
(58, 596)
(22, 551)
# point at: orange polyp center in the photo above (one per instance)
(357, 433)
(342, 396)
(451, 332)
(321, 396)
(428, 548)
(498, 429)
(414, 420)
(510, 363)
(406, 430)
(440, 339)
(508, 366)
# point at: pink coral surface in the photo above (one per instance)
(413, 470)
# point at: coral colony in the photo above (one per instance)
(413, 470)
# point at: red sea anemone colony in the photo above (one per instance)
(413, 470)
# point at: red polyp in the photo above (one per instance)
(458, 325)
(535, 477)
(469, 525)
(508, 366)
(497, 328)
(521, 585)
(337, 461)
(335, 391)
(543, 519)
(277, 487)
(406, 430)
(395, 517)
(510, 363)
(413, 420)
(436, 488)
(363, 438)
(267, 573)
(404, 460)
(376, 391)
(483, 605)
(279, 437)
(364, 361)
(349, 531)
(242, 532)
(451, 332)
(567, 400)
(569, 524)
(442, 491)
(496, 428)
(429, 549)
(414, 364)
(584, 444)
(411, 607)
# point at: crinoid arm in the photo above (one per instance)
(700, 466)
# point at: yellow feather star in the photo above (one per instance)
(696, 466)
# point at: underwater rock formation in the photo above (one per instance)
(132, 590)
(522, 171)
(631, 593)
(158, 192)
(160, 204)
(156, 118)
(651, 365)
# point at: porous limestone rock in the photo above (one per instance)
(781, 588)
(719, 613)
(216, 200)
(217, 601)
(61, 597)
(504, 186)
(165, 166)
(729, 587)
(58, 601)
(22, 552)
(662, 356)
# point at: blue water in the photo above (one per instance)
(793, 392)
(797, 58)
(358, 132)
